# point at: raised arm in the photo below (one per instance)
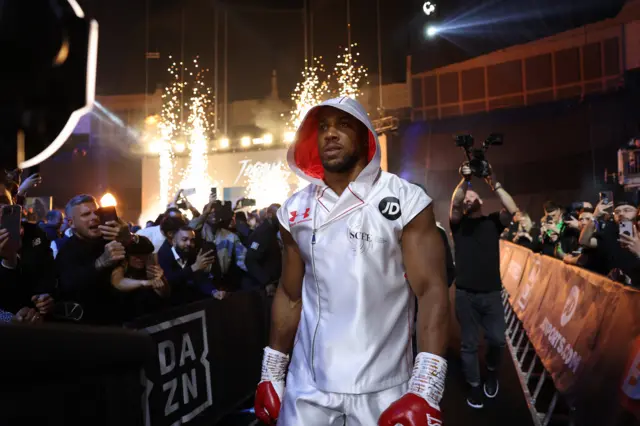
(457, 208)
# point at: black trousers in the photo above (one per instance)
(475, 310)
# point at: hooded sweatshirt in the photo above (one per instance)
(355, 329)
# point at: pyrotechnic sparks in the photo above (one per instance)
(267, 183)
(185, 127)
(310, 92)
(349, 74)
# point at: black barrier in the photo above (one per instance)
(205, 360)
(64, 375)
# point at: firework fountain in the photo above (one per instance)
(176, 135)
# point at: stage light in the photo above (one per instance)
(108, 200)
(224, 143)
(151, 120)
(267, 138)
(429, 8)
(245, 141)
(289, 136)
(179, 147)
(432, 31)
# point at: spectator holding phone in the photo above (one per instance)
(27, 271)
(611, 239)
(86, 261)
(141, 282)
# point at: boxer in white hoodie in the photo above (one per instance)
(358, 244)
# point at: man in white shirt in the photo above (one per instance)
(155, 234)
(358, 244)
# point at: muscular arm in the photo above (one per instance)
(456, 211)
(120, 283)
(587, 238)
(424, 261)
(287, 303)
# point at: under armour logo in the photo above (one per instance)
(294, 215)
(432, 421)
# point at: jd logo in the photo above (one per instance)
(390, 208)
(532, 279)
(178, 382)
(570, 305)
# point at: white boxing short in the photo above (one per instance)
(304, 405)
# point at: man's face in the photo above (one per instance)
(625, 212)
(184, 241)
(138, 261)
(472, 202)
(84, 221)
(585, 218)
(553, 216)
(340, 137)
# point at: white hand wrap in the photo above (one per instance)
(427, 380)
(274, 369)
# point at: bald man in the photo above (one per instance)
(478, 283)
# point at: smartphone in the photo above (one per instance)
(188, 192)
(107, 214)
(626, 228)
(606, 197)
(207, 246)
(152, 260)
(214, 193)
(11, 220)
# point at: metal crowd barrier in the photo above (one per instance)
(532, 374)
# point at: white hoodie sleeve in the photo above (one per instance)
(415, 200)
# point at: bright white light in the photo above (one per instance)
(432, 31)
(224, 143)
(245, 141)
(179, 147)
(428, 8)
(289, 136)
(108, 200)
(157, 147)
(267, 183)
(258, 141)
(267, 138)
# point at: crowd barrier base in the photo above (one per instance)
(527, 364)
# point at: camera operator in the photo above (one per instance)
(478, 283)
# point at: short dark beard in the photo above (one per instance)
(345, 165)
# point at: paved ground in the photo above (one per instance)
(508, 409)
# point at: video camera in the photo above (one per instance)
(476, 156)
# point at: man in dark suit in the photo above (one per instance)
(186, 271)
(264, 258)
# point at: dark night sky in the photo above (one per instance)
(268, 34)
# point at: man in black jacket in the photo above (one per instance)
(264, 258)
(27, 272)
(86, 261)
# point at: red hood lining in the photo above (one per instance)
(306, 155)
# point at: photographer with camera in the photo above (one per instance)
(478, 283)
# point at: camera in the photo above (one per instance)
(476, 159)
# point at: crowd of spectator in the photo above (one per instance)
(603, 239)
(75, 266)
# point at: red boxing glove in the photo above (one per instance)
(420, 405)
(267, 403)
(411, 410)
(271, 387)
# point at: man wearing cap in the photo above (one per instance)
(358, 244)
